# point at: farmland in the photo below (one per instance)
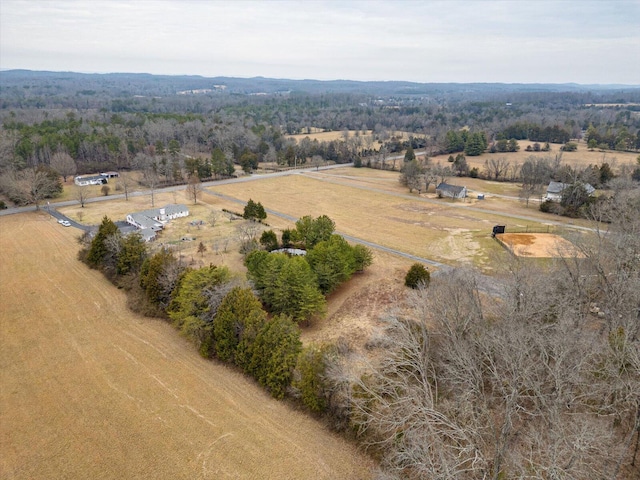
(90, 390)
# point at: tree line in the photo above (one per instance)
(223, 316)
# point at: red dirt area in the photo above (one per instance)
(538, 245)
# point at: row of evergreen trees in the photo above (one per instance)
(223, 317)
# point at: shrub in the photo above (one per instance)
(417, 276)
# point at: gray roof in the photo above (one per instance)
(144, 220)
(290, 251)
(558, 187)
(174, 208)
(147, 234)
(455, 189)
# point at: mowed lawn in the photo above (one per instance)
(90, 390)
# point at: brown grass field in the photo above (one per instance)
(339, 135)
(581, 158)
(538, 245)
(90, 390)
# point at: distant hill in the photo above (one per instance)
(125, 84)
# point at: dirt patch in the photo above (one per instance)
(539, 245)
(90, 390)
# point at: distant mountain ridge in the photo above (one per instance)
(150, 84)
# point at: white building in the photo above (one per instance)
(153, 220)
(90, 180)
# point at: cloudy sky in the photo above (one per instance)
(508, 41)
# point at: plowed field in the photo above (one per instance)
(90, 390)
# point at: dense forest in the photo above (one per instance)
(104, 121)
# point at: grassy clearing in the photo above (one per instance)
(340, 135)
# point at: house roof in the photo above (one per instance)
(144, 220)
(455, 189)
(147, 234)
(90, 178)
(174, 208)
(558, 187)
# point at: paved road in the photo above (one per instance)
(175, 188)
(59, 216)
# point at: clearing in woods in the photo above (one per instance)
(91, 390)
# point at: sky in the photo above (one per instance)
(506, 41)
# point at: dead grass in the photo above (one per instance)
(339, 135)
(90, 390)
(580, 158)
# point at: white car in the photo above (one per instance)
(61, 220)
(65, 223)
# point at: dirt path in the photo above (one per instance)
(90, 390)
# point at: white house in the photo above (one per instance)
(91, 180)
(555, 189)
(451, 191)
(153, 220)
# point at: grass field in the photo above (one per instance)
(339, 135)
(578, 159)
(90, 390)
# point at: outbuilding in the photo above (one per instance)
(451, 191)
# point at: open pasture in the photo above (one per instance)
(90, 390)
(442, 230)
(581, 158)
(340, 135)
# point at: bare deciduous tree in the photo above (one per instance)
(62, 163)
(496, 167)
(81, 194)
(193, 189)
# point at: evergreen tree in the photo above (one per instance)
(312, 231)
(159, 275)
(254, 211)
(417, 276)
(309, 377)
(269, 240)
(275, 353)
(409, 155)
(190, 304)
(237, 322)
(476, 144)
(133, 252)
(99, 249)
(332, 261)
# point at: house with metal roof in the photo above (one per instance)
(90, 180)
(451, 191)
(555, 189)
(151, 221)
